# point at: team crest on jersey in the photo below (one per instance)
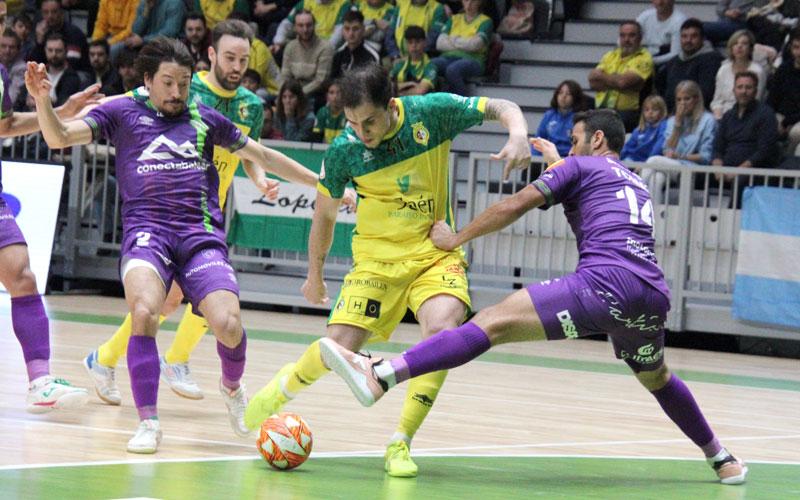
(244, 111)
(421, 134)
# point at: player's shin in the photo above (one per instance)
(32, 329)
(233, 361)
(307, 370)
(144, 370)
(420, 396)
(114, 348)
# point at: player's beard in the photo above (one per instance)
(222, 78)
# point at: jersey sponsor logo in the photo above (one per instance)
(455, 269)
(404, 183)
(645, 355)
(186, 150)
(548, 282)
(366, 283)
(147, 121)
(420, 133)
(364, 306)
(642, 323)
(367, 156)
(421, 208)
(244, 111)
(449, 281)
(208, 265)
(567, 325)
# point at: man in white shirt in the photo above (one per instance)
(661, 27)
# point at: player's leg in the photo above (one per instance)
(145, 292)
(175, 362)
(32, 328)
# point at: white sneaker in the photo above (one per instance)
(105, 383)
(147, 438)
(50, 393)
(180, 380)
(236, 402)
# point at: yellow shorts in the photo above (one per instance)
(375, 295)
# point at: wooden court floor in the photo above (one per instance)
(544, 407)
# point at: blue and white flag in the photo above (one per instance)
(767, 286)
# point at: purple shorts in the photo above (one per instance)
(608, 300)
(198, 262)
(10, 233)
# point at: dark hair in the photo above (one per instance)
(195, 16)
(253, 75)
(9, 33)
(746, 74)
(414, 32)
(101, 43)
(55, 35)
(579, 101)
(24, 19)
(239, 16)
(126, 58)
(353, 16)
(231, 27)
(295, 88)
(366, 84)
(794, 35)
(632, 22)
(606, 120)
(693, 22)
(162, 50)
(306, 11)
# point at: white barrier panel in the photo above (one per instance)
(37, 187)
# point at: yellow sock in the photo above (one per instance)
(117, 346)
(420, 396)
(190, 330)
(307, 370)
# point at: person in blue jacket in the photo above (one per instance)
(645, 137)
(557, 121)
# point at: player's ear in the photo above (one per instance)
(597, 139)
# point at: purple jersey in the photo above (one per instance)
(5, 104)
(164, 165)
(610, 212)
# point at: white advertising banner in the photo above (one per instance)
(294, 201)
(33, 191)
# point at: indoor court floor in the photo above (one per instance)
(546, 420)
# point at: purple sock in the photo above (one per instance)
(678, 403)
(32, 329)
(447, 349)
(232, 362)
(144, 370)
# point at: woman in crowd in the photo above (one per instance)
(740, 58)
(293, 118)
(568, 98)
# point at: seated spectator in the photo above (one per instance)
(127, 71)
(464, 43)
(428, 14)
(621, 75)
(202, 65)
(251, 80)
(414, 74)
(556, 124)
(732, 16)
(262, 61)
(740, 58)
(215, 11)
(114, 23)
(688, 137)
(330, 118)
(747, 136)
(518, 20)
(268, 130)
(11, 58)
(268, 14)
(196, 36)
(154, 18)
(378, 17)
(102, 70)
(661, 30)
(307, 59)
(294, 119)
(65, 80)
(77, 48)
(649, 133)
(697, 61)
(23, 27)
(327, 15)
(354, 53)
(784, 95)
(772, 22)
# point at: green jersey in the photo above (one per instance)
(328, 125)
(404, 182)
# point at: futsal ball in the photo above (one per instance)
(284, 440)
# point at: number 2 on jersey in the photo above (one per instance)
(142, 239)
(646, 213)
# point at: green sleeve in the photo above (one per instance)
(456, 113)
(242, 6)
(343, 10)
(439, 18)
(319, 123)
(390, 15)
(445, 30)
(297, 8)
(485, 31)
(430, 73)
(334, 174)
(398, 66)
(258, 120)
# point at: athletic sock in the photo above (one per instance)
(233, 360)
(190, 330)
(680, 406)
(420, 396)
(114, 348)
(143, 368)
(307, 370)
(32, 329)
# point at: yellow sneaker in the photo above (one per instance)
(398, 460)
(268, 401)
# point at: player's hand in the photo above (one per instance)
(515, 153)
(36, 81)
(269, 188)
(547, 148)
(350, 199)
(442, 236)
(90, 96)
(315, 291)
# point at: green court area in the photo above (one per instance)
(440, 477)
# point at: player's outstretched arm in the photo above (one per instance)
(56, 133)
(277, 163)
(268, 187)
(494, 218)
(319, 243)
(27, 123)
(516, 153)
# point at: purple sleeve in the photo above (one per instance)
(222, 132)
(5, 106)
(559, 181)
(103, 119)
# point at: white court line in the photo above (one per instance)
(356, 454)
